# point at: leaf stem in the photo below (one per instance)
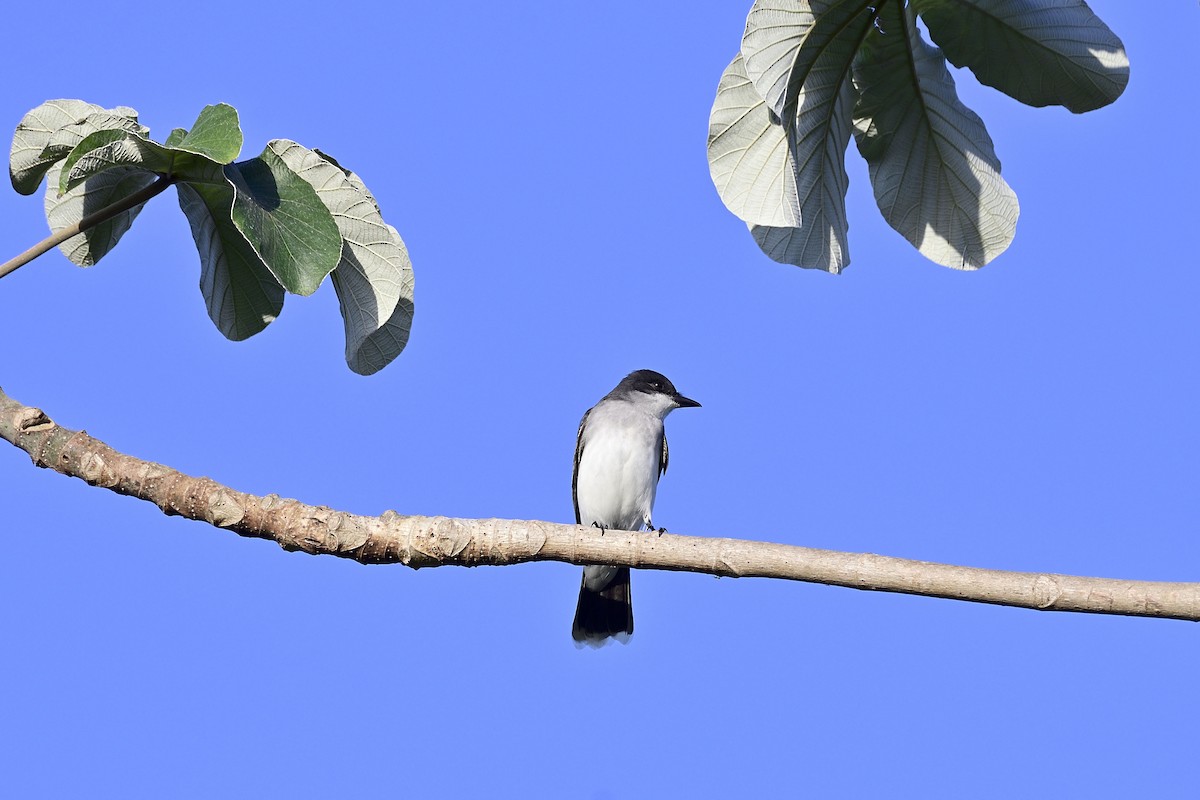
(95, 218)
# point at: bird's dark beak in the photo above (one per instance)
(685, 402)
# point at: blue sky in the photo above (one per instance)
(545, 163)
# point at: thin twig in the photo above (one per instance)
(91, 220)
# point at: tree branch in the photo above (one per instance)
(437, 541)
(95, 218)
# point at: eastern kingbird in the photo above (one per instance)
(620, 452)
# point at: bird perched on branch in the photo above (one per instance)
(620, 453)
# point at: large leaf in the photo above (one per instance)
(748, 154)
(786, 245)
(64, 140)
(355, 288)
(47, 133)
(935, 175)
(214, 140)
(784, 39)
(393, 336)
(59, 127)
(792, 182)
(797, 246)
(175, 137)
(63, 211)
(109, 149)
(373, 279)
(799, 56)
(260, 228)
(216, 134)
(1041, 52)
(241, 295)
(285, 222)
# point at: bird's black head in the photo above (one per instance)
(654, 383)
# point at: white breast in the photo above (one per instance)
(618, 470)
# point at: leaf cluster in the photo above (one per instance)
(276, 223)
(812, 73)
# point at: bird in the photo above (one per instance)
(620, 453)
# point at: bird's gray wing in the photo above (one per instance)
(575, 469)
(666, 455)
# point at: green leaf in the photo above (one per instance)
(175, 137)
(215, 134)
(284, 221)
(1041, 52)
(109, 149)
(241, 295)
(63, 211)
(104, 150)
(49, 132)
(935, 175)
(374, 278)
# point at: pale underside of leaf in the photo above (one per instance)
(748, 154)
(116, 149)
(792, 246)
(817, 143)
(933, 170)
(240, 294)
(1040, 52)
(818, 150)
(355, 181)
(374, 278)
(801, 178)
(66, 138)
(789, 181)
(784, 39)
(96, 193)
(369, 353)
(27, 163)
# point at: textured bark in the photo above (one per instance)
(438, 541)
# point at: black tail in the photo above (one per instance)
(608, 612)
